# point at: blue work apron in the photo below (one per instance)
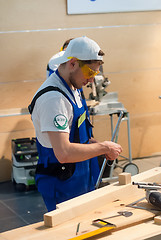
(85, 174)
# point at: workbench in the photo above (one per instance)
(104, 202)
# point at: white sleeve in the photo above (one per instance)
(56, 113)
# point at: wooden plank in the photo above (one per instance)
(125, 225)
(138, 232)
(157, 220)
(93, 200)
(68, 229)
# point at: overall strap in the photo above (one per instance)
(65, 84)
(44, 90)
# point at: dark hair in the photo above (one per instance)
(66, 43)
(101, 53)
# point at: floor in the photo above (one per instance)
(18, 209)
(143, 164)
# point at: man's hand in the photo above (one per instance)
(113, 150)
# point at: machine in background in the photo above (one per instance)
(106, 103)
(24, 161)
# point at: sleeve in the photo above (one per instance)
(56, 114)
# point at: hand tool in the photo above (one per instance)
(140, 207)
(121, 213)
(133, 203)
(102, 225)
(106, 161)
(77, 228)
(153, 196)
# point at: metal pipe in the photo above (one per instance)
(105, 160)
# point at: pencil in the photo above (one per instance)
(77, 229)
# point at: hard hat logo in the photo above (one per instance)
(61, 122)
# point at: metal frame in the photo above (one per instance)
(106, 160)
(123, 116)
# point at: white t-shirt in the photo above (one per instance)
(53, 111)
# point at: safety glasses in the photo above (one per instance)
(87, 71)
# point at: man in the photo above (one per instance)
(52, 66)
(67, 151)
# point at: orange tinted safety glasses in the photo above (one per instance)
(87, 71)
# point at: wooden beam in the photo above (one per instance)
(132, 227)
(100, 197)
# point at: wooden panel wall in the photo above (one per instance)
(32, 31)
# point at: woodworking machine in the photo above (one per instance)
(105, 102)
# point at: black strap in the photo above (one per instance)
(61, 171)
(82, 95)
(44, 90)
(48, 69)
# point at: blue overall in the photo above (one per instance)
(50, 72)
(54, 190)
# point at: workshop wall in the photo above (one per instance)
(32, 31)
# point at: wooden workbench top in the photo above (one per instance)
(102, 203)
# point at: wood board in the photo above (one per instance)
(86, 208)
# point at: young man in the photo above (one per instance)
(52, 66)
(67, 151)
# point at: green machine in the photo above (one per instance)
(24, 161)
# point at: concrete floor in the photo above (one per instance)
(143, 164)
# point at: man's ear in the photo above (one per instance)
(73, 62)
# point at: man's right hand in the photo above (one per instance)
(113, 150)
